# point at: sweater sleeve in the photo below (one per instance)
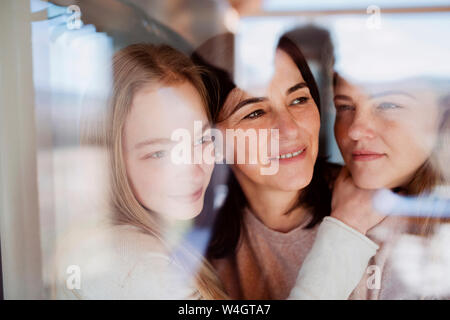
(335, 264)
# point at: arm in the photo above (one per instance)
(335, 264)
(341, 251)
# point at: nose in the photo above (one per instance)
(287, 126)
(362, 126)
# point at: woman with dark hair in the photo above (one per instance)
(268, 223)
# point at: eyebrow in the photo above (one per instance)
(392, 92)
(246, 102)
(164, 140)
(153, 141)
(294, 88)
(342, 96)
(381, 94)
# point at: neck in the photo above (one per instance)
(271, 206)
(174, 231)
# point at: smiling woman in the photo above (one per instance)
(156, 91)
(286, 104)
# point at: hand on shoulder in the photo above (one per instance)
(353, 205)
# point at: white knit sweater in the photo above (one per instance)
(119, 262)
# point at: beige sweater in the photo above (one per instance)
(119, 262)
(267, 262)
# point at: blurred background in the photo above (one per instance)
(54, 72)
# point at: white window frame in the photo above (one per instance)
(19, 208)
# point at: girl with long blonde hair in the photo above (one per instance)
(136, 253)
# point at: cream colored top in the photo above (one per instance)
(119, 262)
(267, 263)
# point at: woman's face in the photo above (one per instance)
(385, 133)
(174, 190)
(284, 104)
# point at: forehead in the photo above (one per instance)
(285, 68)
(285, 71)
(417, 89)
(286, 74)
(157, 111)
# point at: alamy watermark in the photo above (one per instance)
(230, 149)
(74, 21)
(373, 22)
(374, 280)
(73, 280)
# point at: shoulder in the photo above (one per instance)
(120, 262)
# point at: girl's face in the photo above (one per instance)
(385, 133)
(287, 105)
(174, 190)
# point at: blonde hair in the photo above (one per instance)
(434, 172)
(136, 66)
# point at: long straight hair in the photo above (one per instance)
(229, 219)
(432, 173)
(134, 67)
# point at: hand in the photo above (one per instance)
(353, 205)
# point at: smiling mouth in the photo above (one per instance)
(296, 154)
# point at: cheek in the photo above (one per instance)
(410, 138)
(149, 183)
(207, 169)
(409, 150)
(341, 133)
(426, 136)
(316, 129)
(308, 118)
(309, 122)
(251, 172)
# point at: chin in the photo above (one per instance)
(187, 212)
(367, 182)
(292, 183)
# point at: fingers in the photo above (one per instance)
(344, 174)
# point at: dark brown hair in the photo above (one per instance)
(316, 196)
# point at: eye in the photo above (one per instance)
(299, 100)
(344, 107)
(203, 140)
(156, 155)
(255, 114)
(388, 105)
